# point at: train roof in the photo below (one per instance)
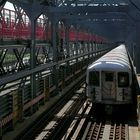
(116, 59)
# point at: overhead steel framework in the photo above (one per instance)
(114, 20)
(110, 18)
(52, 33)
(96, 11)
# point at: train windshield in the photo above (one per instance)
(94, 78)
(109, 77)
(123, 79)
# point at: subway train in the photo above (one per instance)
(110, 78)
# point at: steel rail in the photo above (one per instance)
(47, 116)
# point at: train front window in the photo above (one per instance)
(123, 79)
(109, 77)
(94, 78)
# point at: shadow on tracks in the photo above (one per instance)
(117, 114)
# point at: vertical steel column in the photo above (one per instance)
(76, 45)
(92, 45)
(95, 47)
(67, 49)
(83, 48)
(133, 46)
(137, 48)
(131, 40)
(53, 28)
(67, 40)
(21, 98)
(2, 2)
(90, 49)
(0, 129)
(55, 52)
(88, 46)
(32, 59)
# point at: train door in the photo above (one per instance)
(108, 85)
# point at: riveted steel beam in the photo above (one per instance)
(87, 9)
(109, 15)
(134, 9)
(2, 2)
(34, 8)
(25, 73)
(109, 31)
(135, 3)
(137, 48)
(85, 2)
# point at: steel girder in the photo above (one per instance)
(109, 18)
(127, 6)
(41, 2)
(99, 19)
(92, 14)
(104, 11)
(85, 2)
(25, 73)
(135, 3)
(100, 16)
(2, 2)
(133, 10)
(101, 12)
(107, 29)
(89, 9)
(36, 8)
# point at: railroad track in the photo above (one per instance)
(101, 131)
(59, 123)
(76, 120)
(83, 126)
(54, 127)
(36, 127)
(96, 129)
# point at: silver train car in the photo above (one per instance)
(109, 79)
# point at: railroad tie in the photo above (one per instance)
(106, 133)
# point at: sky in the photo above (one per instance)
(9, 5)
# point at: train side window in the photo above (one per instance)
(109, 77)
(94, 78)
(123, 79)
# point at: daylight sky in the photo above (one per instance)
(9, 5)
